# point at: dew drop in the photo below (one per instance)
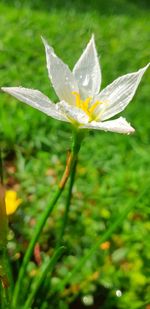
(88, 300)
(118, 293)
(86, 81)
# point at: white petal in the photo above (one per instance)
(60, 75)
(119, 125)
(87, 71)
(119, 93)
(35, 99)
(74, 114)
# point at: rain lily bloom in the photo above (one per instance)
(81, 101)
(12, 202)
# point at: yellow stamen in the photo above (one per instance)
(92, 108)
(78, 99)
(84, 105)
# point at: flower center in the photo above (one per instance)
(86, 106)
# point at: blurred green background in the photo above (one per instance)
(113, 169)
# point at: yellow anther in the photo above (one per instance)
(84, 105)
(92, 108)
(78, 98)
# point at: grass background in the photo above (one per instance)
(113, 169)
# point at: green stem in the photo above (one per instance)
(75, 151)
(105, 237)
(4, 302)
(47, 268)
(1, 168)
(32, 243)
(43, 220)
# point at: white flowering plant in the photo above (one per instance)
(84, 106)
(81, 101)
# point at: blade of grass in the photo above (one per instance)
(46, 269)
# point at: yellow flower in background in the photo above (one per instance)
(12, 201)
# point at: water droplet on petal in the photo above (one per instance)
(86, 81)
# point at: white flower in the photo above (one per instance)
(81, 103)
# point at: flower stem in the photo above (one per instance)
(43, 219)
(75, 151)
